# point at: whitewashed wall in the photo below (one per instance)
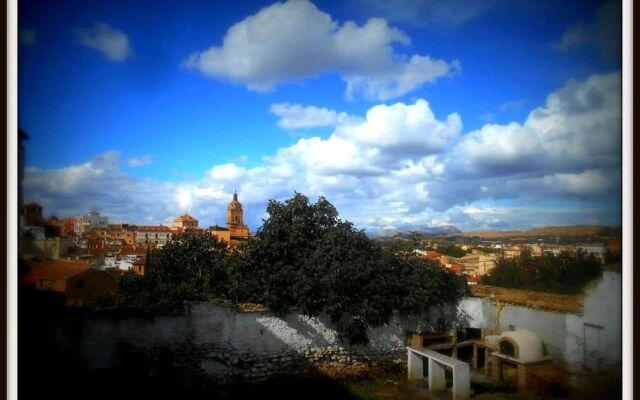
(222, 340)
(563, 333)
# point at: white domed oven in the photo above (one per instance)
(523, 345)
(517, 354)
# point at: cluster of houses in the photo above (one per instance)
(80, 256)
(472, 266)
(479, 262)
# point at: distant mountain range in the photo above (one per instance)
(579, 230)
(435, 230)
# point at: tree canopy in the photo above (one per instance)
(303, 257)
(567, 272)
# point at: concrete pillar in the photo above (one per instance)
(436, 377)
(522, 378)
(496, 369)
(474, 360)
(461, 382)
(414, 365)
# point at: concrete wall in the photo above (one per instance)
(224, 343)
(563, 334)
(219, 341)
(603, 311)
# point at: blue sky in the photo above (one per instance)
(405, 113)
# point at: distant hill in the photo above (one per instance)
(580, 230)
(435, 231)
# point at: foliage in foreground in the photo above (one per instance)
(566, 273)
(303, 257)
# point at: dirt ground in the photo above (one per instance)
(391, 383)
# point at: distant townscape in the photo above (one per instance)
(60, 252)
(86, 247)
(476, 254)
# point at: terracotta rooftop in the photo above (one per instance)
(126, 250)
(456, 268)
(55, 269)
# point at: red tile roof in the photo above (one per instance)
(130, 250)
(53, 269)
(456, 268)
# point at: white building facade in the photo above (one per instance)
(153, 235)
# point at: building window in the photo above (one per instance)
(79, 284)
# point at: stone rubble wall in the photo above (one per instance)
(225, 344)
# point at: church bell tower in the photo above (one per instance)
(235, 213)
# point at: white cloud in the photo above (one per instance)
(226, 172)
(605, 33)
(587, 182)
(578, 127)
(111, 42)
(402, 128)
(184, 198)
(140, 161)
(294, 40)
(401, 79)
(398, 166)
(296, 116)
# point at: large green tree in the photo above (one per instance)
(190, 267)
(306, 257)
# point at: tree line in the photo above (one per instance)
(567, 272)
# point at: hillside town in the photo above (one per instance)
(58, 252)
(481, 259)
(80, 256)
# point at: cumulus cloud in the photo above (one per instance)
(140, 161)
(296, 116)
(579, 126)
(111, 42)
(399, 165)
(403, 129)
(294, 40)
(605, 33)
(96, 183)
